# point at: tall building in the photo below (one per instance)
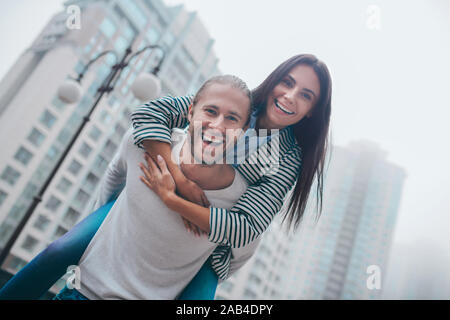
(35, 126)
(329, 258)
(338, 257)
(418, 271)
(264, 275)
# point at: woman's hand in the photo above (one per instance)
(158, 178)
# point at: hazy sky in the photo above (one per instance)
(390, 85)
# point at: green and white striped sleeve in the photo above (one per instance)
(156, 119)
(257, 207)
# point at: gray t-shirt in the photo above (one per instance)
(143, 250)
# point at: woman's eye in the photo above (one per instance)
(306, 95)
(286, 82)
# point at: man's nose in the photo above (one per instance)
(218, 123)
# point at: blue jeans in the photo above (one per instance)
(36, 278)
(69, 294)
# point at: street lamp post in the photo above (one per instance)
(70, 92)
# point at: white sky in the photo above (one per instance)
(390, 85)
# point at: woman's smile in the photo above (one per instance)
(282, 108)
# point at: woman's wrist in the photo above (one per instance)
(169, 199)
(178, 176)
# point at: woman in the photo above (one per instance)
(295, 98)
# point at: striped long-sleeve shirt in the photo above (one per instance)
(271, 172)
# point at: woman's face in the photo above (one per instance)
(293, 98)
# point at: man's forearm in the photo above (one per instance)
(190, 211)
(154, 148)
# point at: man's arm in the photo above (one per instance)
(113, 181)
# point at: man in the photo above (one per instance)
(142, 249)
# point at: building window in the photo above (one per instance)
(105, 118)
(58, 104)
(53, 203)
(254, 279)
(100, 164)
(41, 223)
(91, 182)
(108, 28)
(95, 133)
(23, 155)
(134, 11)
(65, 135)
(110, 148)
(81, 199)
(85, 150)
(36, 137)
(30, 244)
(59, 232)
(16, 264)
(3, 196)
(30, 190)
(227, 286)
(74, 167)
(71, 217)
(128, 31)
(10, 175)
(52, 153)
(16, 212)
(168, 40)
(64, 185)
(248, 294)
(47, 119)
(153, 35)
(121, 44)
(119, 130)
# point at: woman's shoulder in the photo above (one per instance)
(288, 143)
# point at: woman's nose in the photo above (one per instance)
(289, 95)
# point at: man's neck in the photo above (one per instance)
(208, 177)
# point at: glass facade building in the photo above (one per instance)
(329, 259)
(36, 126)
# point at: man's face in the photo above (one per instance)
(218, 116)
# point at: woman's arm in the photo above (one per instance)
(243, 223)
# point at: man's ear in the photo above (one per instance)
(190, 112)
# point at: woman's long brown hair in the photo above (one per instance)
(311, 133)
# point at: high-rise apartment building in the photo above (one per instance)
(264, 276)
(329, 259)
(339, 257)
(35, 126)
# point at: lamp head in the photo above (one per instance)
(146, 87)
(70, 91)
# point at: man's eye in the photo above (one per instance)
(234, 119)
(211, 111)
